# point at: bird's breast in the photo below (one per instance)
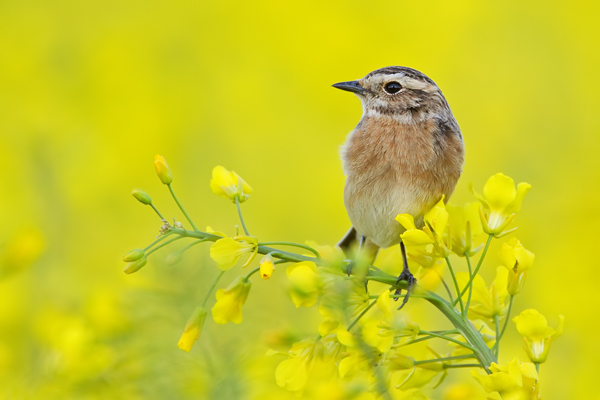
(394, 168)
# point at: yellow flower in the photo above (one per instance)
(502, 202)
(227, 251)
(356, 360)
(537, 335)
(485, 302)
(162, 170)
(517, 260)
(513, 381)
(230, 301)
(381, 334)
(305, 357)
(461, 391)
(343, 298)
(230, 185)
(465, 224)
(405, 375)
(193, 328)
(267, 266)
(305, 283)
(433, 232)
(430, 277)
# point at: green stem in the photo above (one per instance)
(498, 338)
(181, 207)
(397, 296)
(163, 237)
(163, 245)
(284, 255)
(537, 367)
(496, 347)
(462, 307)
(470, 285)
(156, 211)
(418, 340)
(255, 270)
(463, 357)
(484, 355)
(239, 210)
(485, 249)
(448, 366)
(361, 315)
(186, 248)
(212, 287)
(302, 246)
(446, 287)
(450, 332)
(439, 336)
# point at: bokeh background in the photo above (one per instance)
(91, 91)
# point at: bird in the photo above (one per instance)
(406, 153)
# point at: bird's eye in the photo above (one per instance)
(392, 87)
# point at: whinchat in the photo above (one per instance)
(406, 152)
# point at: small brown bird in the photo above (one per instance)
(406, 153)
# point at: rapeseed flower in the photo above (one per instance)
(486, 302)
(433, 233)
(465, 224)
(229, 185)
(501, 203)
(512, 381)
(536, 333)
(305, 283)
(227, 251)
(517, 261)
(228, 307)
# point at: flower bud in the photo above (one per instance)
(267, 265)
(162, 170)
(193, 329)
(515, 282)
(133, 255)
(174, 258)
(135, 266)
(400, 362)
(141, 196)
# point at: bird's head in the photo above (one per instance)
(396, 91)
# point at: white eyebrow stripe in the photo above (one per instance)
(413, 83)
(407, 82)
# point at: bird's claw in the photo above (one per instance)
(349, 268)
(407, 276)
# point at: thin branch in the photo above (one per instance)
(181, 207)
(239, 210)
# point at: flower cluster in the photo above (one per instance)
(361, 337)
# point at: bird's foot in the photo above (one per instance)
(349, 268)
(407, 276)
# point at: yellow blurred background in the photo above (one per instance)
(91, 91)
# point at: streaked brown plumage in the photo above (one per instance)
(403, 156)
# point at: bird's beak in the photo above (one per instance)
(351, 86)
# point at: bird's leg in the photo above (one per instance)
(361, 243)
(405, 275)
